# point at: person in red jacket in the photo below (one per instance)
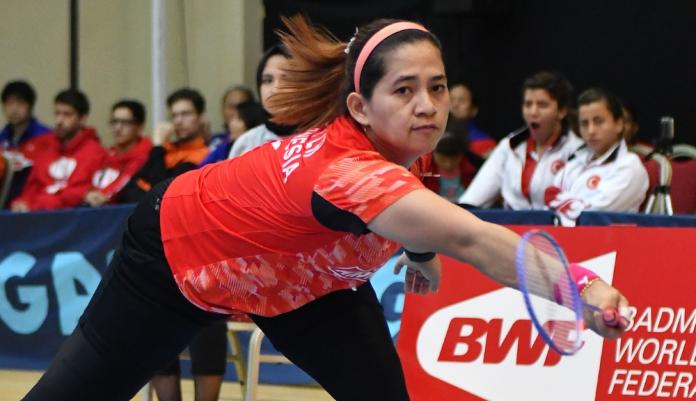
(125, 158)
(62, 172)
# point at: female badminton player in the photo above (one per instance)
(291, 231)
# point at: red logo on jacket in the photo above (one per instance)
(593, 182)
(557, 165)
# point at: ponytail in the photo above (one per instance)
(310, 94)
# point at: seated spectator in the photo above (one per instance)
(230, 100)
(525, 162)
(463, 110)
(18, 137)
(125, 157)
(3, 167)
(183, 148)
(68, 157)
(631, 125)
(603, 174)
(247, 115)
(269, 74)
(630, 133)
(451, 169)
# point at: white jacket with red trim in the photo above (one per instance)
(616, 181)
(501, 174)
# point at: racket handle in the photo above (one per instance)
(611, 316)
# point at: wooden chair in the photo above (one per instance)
(249, 377)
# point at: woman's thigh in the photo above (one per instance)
(343, 342)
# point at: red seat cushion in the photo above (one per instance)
(683, 188)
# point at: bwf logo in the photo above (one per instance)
(487, 346)
(475, 339)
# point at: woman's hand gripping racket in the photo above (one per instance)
(552, 294)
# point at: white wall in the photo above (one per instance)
(211, 44)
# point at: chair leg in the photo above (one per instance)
(253, 363)
(237, 358)
(147, 392)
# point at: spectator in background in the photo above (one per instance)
(631, 125)
(630, 132)
(3, 172)
(449, 179)
(18, 137)
(525, 162)
(230, 100)
(183, 145)
(68, 157)
(603, 174)
(463, 110)
(269, 75)
(125, 157)
(247, 115)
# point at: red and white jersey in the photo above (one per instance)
(62, 171)
(283, 224)
(118, 168)
(615, 181)
(517, 173)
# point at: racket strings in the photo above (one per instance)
(552, 294)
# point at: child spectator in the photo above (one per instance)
(244, 117)
(230, 100)
(451, 167)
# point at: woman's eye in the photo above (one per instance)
(402, 90)
(439, 88)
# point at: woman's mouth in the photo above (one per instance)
(425, 127)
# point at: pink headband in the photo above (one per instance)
(375, 40)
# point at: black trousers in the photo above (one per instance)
(208, 352)
(138, 322)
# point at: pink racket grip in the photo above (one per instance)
(613, 318)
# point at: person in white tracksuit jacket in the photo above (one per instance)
(525, 162)
(603, 174)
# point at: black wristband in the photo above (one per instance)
(420, 257)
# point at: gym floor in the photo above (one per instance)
(15, 383)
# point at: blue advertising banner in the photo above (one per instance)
(50, 265)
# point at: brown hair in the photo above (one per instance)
(320, 73)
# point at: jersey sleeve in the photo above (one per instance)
(488, 181)
(365, 186)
